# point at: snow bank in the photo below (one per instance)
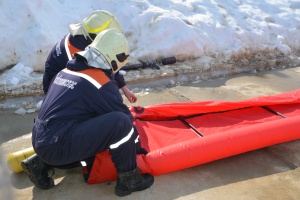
(185, 29)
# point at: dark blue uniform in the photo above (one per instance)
(83, 114)
(62, 52)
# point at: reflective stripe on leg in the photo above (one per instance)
(136, 139)
(125, 139)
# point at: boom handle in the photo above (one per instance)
(168, 61)
(153, 64)
(133, 66)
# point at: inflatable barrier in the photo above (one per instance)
(182, 135)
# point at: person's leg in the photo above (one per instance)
(83, 142)
(113, 131)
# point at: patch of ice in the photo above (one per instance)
(30, 110)
(20, 111)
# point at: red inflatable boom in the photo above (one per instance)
(182, 135)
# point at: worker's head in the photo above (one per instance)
(109, 50)
(98, 21)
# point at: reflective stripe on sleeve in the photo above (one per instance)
(125, 139)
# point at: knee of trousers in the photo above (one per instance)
(124, 131)
(121, 121)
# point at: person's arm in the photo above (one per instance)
(56, 61)
(129, 95)
(119, 78)
(110, 99)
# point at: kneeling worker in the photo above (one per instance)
(83, 114)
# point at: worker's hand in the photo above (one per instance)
(129, 95)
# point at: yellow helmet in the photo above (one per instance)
(109, 50)
(98, 21)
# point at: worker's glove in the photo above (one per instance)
(142, 151)
(139, 149)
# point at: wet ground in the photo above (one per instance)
(268, 173)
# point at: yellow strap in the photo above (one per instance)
(97, 30)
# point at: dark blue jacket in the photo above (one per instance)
(61, 53)
(77, 93)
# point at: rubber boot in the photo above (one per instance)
(37, 171)
(132, 181)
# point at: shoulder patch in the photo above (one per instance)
(94, 76)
